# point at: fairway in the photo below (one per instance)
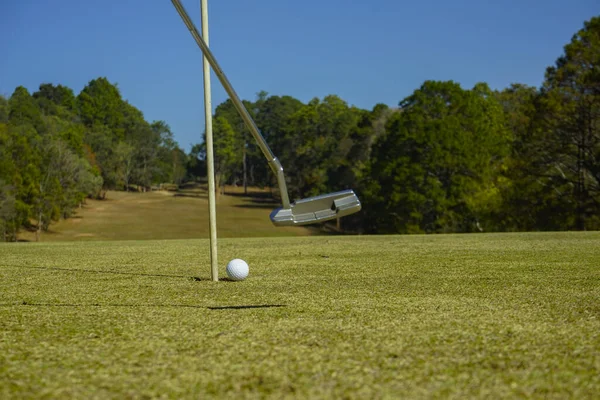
(440, 316)
(170, 215)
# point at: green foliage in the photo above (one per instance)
(122, 145)
(4, 110)
(242, 142)
(172, 161)
(100, 103)
(124, 154)
(57, 149)
(448, 159)
(226, 156)
(531, 199)
(571, 106)
(101, 149)
(70, 132)
(317, 143)
(436, 163)
(24, 111)
(272, 117)
(551, 176)
(9, 223)
(56, 100)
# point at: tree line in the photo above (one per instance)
(446, 159)
(57, 149)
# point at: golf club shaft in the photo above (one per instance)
(273, 161)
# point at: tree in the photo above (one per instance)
(100, 103)
(243, 143)
(440, 153)
(24, 110)
(272, 118)
(147, 144)
(20, 166)
(172, 160)
(52, 98)
(75, 176)
(531, 198)
(571, 106)
(70, 132)
(102, 149)
(125, 155)
(318, 138)
(4, 111)
(9, 218)
(8, 213)
(177, 172)
(226, 156)
(48, 190)
(56, 149)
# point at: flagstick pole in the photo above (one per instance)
(212, 212)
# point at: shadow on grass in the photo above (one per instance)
(258, 202)
(198, 279)
(257, 205)
(254, 195)
(247, 307)
(192, 195)
(194, 185)
(94, 271)
(25, 303)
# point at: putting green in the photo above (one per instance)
(461, 316)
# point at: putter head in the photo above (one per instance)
(317, 209)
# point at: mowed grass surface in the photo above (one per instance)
(448, 316)
(170, 215)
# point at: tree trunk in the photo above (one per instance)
(39, 228)
(217, 185)
(579, 217)
(245, 176)
(580, 186)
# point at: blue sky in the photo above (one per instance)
(367, 52)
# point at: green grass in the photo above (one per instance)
(168, 215)
(447, 316)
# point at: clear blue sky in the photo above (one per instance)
(367, 52)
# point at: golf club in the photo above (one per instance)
(300, 212)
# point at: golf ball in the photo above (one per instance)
(237, 269)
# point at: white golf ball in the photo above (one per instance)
(237, 269)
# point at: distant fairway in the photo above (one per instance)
(169, 215)
(446, 316)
